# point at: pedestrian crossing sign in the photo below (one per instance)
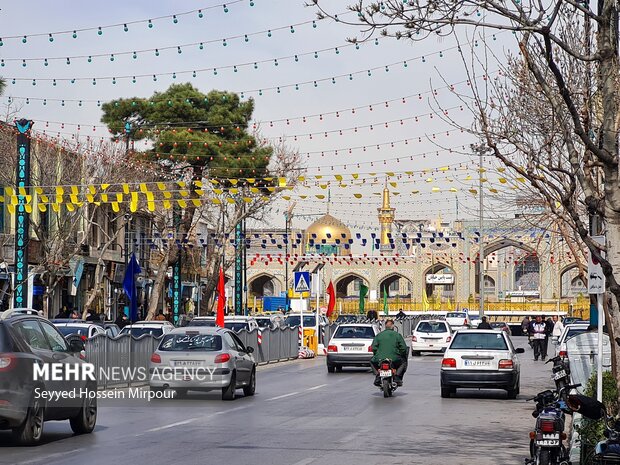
(302, 281)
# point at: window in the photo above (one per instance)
(427, 327)
(238, 342)
(32, 334)
(230, 341)
(475, 341)
(354, 332)
(193, 342)
(55, 339)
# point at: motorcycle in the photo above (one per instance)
(546, 441)
(561, 373)
(387, 372)
(607, 451)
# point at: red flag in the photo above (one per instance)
(332, 299)
(221, 300)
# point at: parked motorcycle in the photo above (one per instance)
(561, 373)
(546, 441)
(606, 452)
(387, 372)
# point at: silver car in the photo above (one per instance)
(203, 358)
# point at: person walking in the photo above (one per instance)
(558, 327)
(548, 330)
(525, 327)
(537, 331)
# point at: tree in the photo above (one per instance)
(2, 85)
(567, 148)
(197, 137)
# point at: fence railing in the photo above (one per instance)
(124, 361)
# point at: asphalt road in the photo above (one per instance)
(301, 415)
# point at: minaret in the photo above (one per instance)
(386, 218)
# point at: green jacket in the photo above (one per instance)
(389, 344)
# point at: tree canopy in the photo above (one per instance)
(182, 124)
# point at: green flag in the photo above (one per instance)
(386, 310)
(363, 292)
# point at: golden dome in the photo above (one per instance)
(330, 229)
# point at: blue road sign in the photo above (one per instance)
(302, 281)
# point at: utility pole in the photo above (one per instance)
(22, 217)
(480, 150)
(287, 217)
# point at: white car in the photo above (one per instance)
(430, 336)
(481, 359)
(351, 345)
(569, 332)
(153, 328)
(233, 322)
(458, 320)
(84, 329)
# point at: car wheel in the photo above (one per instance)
(250, 389)
(513, 393)
(331, 369)
(228, 393)
(415, 353)
(84, 422)
(30, 431)
(180, 392)
(445, 392)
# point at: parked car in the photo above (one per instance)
(481, 359)
(203, 358)
(294, 319)
(457, 320)
(569, 332)
(474, 319)
(111, 329)
(430, 336)
(27, 339)
(269, 321)
(84, 329)
(351, 345)
(501, 325)
(234, 323)
(154, 328)
(570, 320)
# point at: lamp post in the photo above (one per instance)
(288, 215)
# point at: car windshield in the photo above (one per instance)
(236, 326)
(473, 341)
(456, 315)
(572, 332)
(194, 342)
(73, 329)
(498, 324)
(434, 327)
(201, 322)
(137, 332)
(354, 332)
(263, 322)
(295, 320)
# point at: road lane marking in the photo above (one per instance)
(307, 461)
(171, 425)
(316, 387)
(46, 458)
(284, 395)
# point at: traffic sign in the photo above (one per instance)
(302, 281)
(596, 278)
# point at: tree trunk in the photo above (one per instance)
(158, 286)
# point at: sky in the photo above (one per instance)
(406, 84)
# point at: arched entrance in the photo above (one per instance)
(396, 285)
(440, 282)
(511, 268)
(264, 285)
(349, 285)
(571, 283)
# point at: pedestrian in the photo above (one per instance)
(525, 327)
(74, 315)
(537, 331)
(548, 331)
(558, 327)
(484, 324)
(372, 315)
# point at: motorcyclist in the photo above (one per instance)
(389, 344)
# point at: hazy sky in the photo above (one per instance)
(426, 69)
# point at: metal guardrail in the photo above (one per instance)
(582, 352)
(123, 361)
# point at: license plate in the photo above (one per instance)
(477, 363)
(351, 348)
(548, 442)
(385, 373)
(559, 375)
(187, 363)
